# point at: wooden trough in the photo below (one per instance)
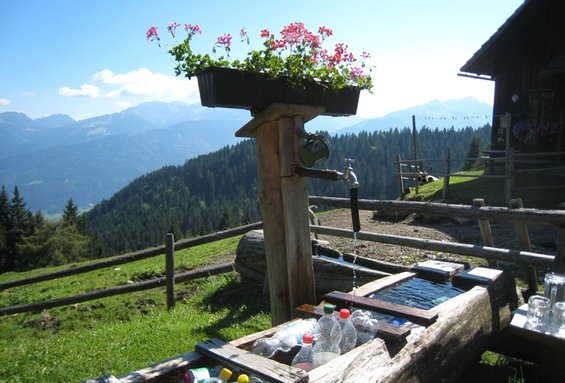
(439, 346)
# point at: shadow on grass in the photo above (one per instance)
(243, 298)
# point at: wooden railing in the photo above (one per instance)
(517, 215)
(511, 164)
(168, 281)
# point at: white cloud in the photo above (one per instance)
(86, 90)
(121, 105)
(143, 82)
(5, 102)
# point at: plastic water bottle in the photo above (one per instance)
(305, 357)
(348, 332)
(223, 377)
(365, 324)
(328, 334)
(291, 334)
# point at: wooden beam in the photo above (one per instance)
(418, 316)
(268, 163)
(230, 355)
(294, 193)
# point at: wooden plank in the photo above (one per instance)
(277, 111)
(230, 355)
(272, 211)
(513, 256)
(383, 283)
(525, 245)
(486, 232)
(415, 315)
(294, 195)
(492, 213)
(385, 330)
(168, 370)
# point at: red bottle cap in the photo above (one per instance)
(344, 313)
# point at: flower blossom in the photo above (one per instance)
(192, 29)
(225, 41)
(325, 32)
(152, 34)
(172, 27)
(265, 33)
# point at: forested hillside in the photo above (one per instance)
(219, 190)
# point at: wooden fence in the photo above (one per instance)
(515, 214)
(511, 165)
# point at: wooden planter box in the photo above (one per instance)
(231, 88)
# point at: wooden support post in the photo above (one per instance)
(446, 177)
(284, 207)
(399, 171)
(524, 241)
(509, 175)
(170, 269)
(560, 254)
(486, 233)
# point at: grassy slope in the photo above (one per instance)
(464, 189)
(123, 333)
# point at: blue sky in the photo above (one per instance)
(86, 58)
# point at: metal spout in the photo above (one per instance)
(348, 174)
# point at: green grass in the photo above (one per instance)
(463, 190)
(116, 335)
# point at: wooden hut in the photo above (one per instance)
(526, 59)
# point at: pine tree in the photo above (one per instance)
(20, 224)
(473, 154)
(4, 222)
(70, 214)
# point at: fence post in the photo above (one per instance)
(525, 245)
(509, 179)
(446, 177)
(399, 171)
(170, 269)
(486, 233)
(560, 254)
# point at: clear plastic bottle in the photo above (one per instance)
(223, 377)
(305, 357)
(328, 334)
(348, 332)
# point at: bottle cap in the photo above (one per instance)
(225, 373)
(344, 313)
(243, 378)
(307, 338)
(328, 309)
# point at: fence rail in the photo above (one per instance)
(515, 214)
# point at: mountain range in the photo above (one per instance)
(55, 158)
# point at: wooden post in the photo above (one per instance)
(415, 148)
(294, 193)
(509, 175)
(524, 241)
(284, 206)
(170, 269)
(399, 171)
(446, 177)
(486, 233)
(560, 254)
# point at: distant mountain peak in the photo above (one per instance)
(456, 113)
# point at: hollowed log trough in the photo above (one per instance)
(449, 338)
